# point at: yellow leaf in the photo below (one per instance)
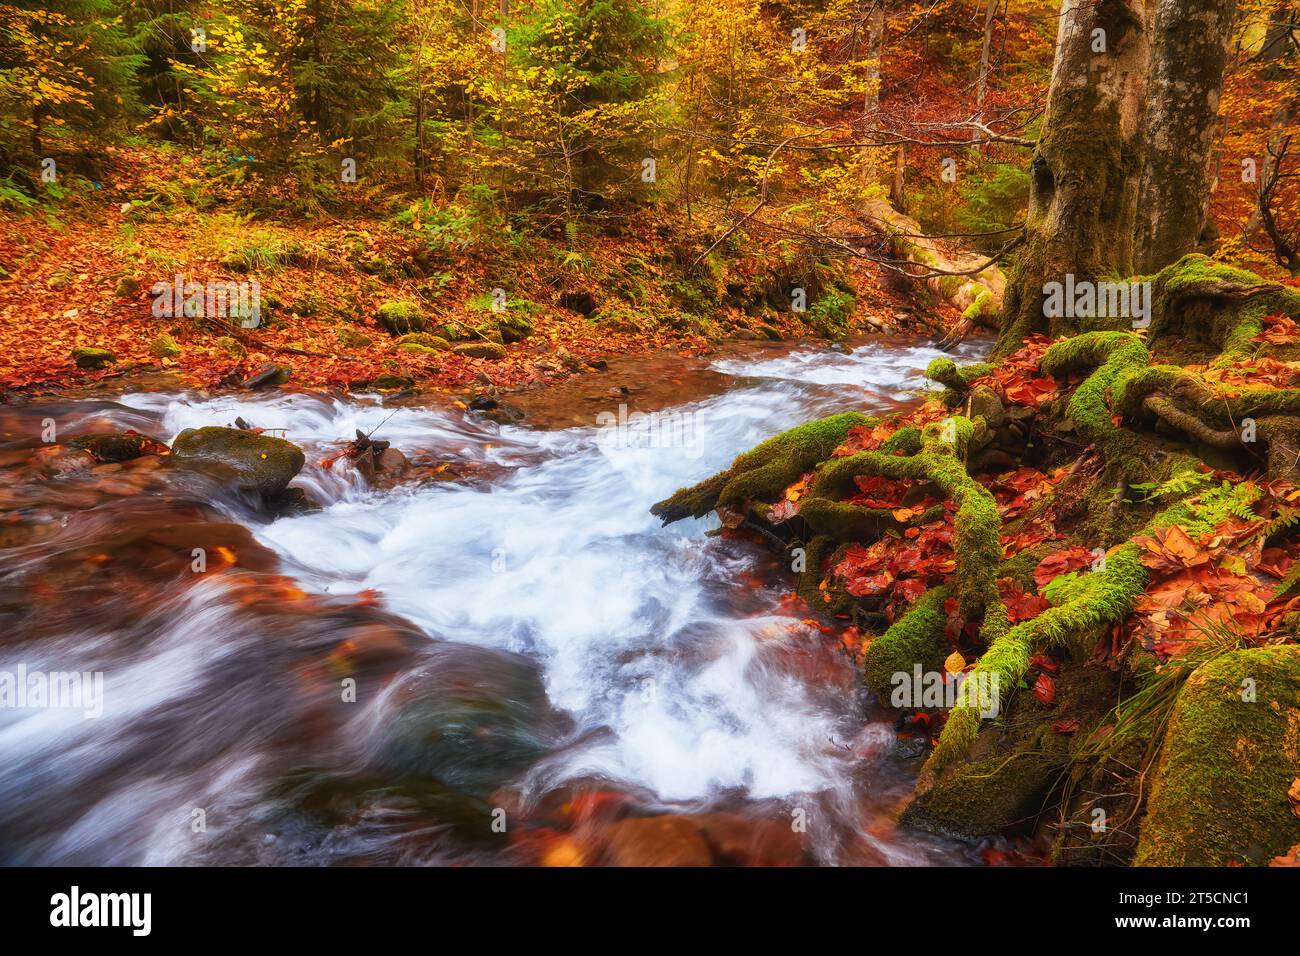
(955, 663)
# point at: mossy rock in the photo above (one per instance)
(231, 346)
(165, 347)
(259, 462)
(452, 331)
(111, 447)
(423, 342)
(992, 794)
(126, 287)
(1219, 795)
(92, 358)
(351, 338)
(401, 318)
(390, 382)
(514, 328)
(481, 350)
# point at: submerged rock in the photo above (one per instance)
(1231, 754)
(657, 841)
(259, 462)
(113, 447)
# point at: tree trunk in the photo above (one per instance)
(871, 101)
(1188, 57)
(1083, 195)
(1281, 28)
(990, 17)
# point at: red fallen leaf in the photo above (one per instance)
(1070, 726)
(1290, 858)
(1170, 548)
(1061, 562)
(1045, 663)
(731, 517)
(1020, 606)
(851, 639)
(1279, 329)
(909, 590)
(869, 585)
(1045, 688)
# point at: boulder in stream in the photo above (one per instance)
(259, 462)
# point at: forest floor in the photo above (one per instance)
(82, 277)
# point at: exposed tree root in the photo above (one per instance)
(1119, 400)
(1124, 383)
(763, 472)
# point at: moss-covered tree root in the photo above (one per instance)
(763, 472)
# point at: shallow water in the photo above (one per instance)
(529, 647)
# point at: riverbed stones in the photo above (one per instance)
(266, 376)
(258, 462)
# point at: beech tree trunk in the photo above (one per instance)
(1188, 57)
(1085, 169)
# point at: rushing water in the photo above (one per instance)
(528, 645)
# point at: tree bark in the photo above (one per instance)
(871, 101)
(1084, 185)
(990, 17)
(1189, 54)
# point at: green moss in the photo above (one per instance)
(765, 471)
(823, 549)
(991, 795)
(480, 350)
(845, 522)
(401, 318)
(1219, 796)
(424, 340)
(984, 307)
(1198, 298)
(259, 462)
(915, 638)
(947, 373)
(164, 346)
(978, 524)
(1115, 358)
(92, 358)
